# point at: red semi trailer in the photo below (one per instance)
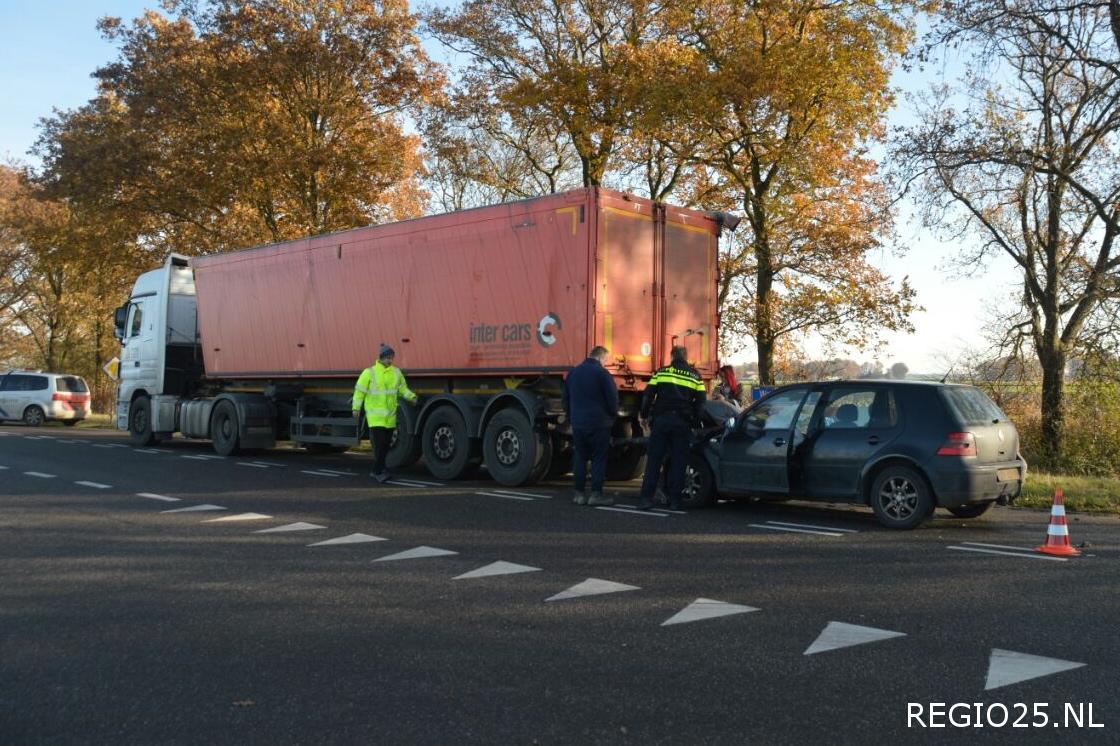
(487, 310)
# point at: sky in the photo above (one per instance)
(48, 50)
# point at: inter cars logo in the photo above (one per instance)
(545, 335)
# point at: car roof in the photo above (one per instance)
(865, 381)
(39, 373)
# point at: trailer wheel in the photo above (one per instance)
(446, 445)
(404, 449)
(224, 428)
(514, 453)
(140, 422)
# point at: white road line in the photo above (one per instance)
(809, 525)
(507, 497)
(655, 510)
(1009, 554)
(270, 463)
(102, 445)
(197, 458)
(406, 483)
(525, 494)
(630, 510)
(996, 546)
(255, 466)
(321, 474)
(420, 483)
(147, 450)
(97, 485)
(2, 468)
(338, 473)
(39, 474)
(154, 496)
(794, 530)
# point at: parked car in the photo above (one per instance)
(36, 397)
(902, 447)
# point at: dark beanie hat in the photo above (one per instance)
(385, 351)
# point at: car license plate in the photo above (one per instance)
(1007, 475)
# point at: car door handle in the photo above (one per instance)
(873, 440)
(779, 441)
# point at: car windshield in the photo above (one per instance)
(972, 406)
(73, 384)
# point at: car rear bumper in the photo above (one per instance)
(60, 410)
(977, 483)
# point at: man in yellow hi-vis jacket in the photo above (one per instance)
(377, 391)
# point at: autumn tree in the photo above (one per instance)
(233, 122)
(788, 97)
(1023, 158)
(589, 66)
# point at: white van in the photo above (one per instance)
(36, 397)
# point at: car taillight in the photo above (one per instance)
(70, 397)
(958, 444)
(60, 397)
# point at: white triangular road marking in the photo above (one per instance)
(416, 553)
(291, 527)
(1008, 667)
(592, 587)
(840, 635)
(194, 509)
(350, 539)
(239, 517)
(154, 496)
(496, 568)
(706, 608)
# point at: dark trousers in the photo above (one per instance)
(379, 438)
(668, 437)
(590, 444)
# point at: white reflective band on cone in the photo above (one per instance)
(1060, 530)
(1058, 510)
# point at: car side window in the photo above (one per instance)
(38, 383)
(805, 416)
(7, 382)
(860, 409)
(774, 413)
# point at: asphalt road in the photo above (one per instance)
(122, 623)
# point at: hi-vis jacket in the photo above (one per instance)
(674, 389)
(377, 391)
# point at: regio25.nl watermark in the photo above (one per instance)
(999, 715)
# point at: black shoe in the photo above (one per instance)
(598, 498)
(645, 504)
(382, 477)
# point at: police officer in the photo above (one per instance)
(673, 397)
(377, 391)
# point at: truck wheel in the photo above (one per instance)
(140, 422)
(900, 497)
(33, 416)
(446, 445)
(404, 450)
(699, 484)
(224, 428)
(514, 453)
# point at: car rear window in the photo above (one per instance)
(73, 384)
(972, 406)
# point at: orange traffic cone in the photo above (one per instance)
(1057, 534)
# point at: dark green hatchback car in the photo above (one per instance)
(902, 447)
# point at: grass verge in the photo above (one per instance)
(1085, 494)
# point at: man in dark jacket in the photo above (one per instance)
(674, 397)
(591, 406)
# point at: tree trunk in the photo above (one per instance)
(763, 326)
(1053, 406)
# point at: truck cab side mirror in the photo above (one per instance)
(120, 316)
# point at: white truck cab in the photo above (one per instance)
(158, 330)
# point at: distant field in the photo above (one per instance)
(1088, 494)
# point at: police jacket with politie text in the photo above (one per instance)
(590, 396)
(674, 389)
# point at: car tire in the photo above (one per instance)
(699, 483)
(973, 510)
(446, 445)
(34, 416)
(225, 429)
(140, 422)
(515, 454)
(900, 497)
